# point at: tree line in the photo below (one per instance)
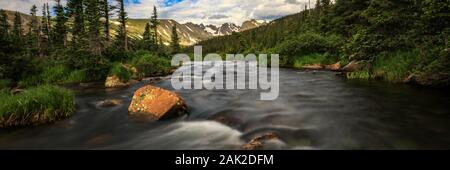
(346, 30)
(78, 34)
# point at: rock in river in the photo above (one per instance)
(157, 103)
(258, 142)
(115, 82)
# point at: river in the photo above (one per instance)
(315, 110)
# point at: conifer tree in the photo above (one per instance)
(106, 14)
(44, 23)
(175, 42)
(75, 9)
(154, 26)
(49, 18)
(17, 26)
(33, 25)
(147, 38)
(60, 30)
(122, 32)
(4, 26)
(93, 15)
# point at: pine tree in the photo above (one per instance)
(17, 26)
(122, 32)
(44, 23)
(147, 38)
(75, 9)
(106, 12)
(33, 25)
(45, 33)
(49, 19)
(93, 15)
(4, 26)
(154, 27)
(60, 30)
(175, 42)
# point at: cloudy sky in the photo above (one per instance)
(198, 11)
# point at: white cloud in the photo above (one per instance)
(24, 6)
(197, 11)
(203, 11)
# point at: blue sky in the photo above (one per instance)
(214, 12)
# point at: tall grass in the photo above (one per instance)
(4, 83)
(35, 106)
(58, 74)
(395, 67)
(299, 62)
(119, 70)
(391, 67)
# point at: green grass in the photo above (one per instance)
(362, 74)
(76, 76)
(4, 83)
(58, 74)
(391, 67)
(299, 62)
(119, 70)
(395, 67)
(38, 105)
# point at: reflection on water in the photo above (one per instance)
(315, 110)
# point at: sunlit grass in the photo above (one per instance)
(36, 105)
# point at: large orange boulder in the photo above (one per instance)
(157, 103)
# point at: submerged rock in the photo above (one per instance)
(115, 82)
(157, 103)
(109, 103)
(258, 142)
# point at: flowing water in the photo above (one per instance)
(315, 110)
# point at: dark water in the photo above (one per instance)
(315, 110)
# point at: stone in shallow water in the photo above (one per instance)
(157, 103)
(115, 82)
(109, 103)
(258, 142)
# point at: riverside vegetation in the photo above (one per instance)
(75, 45)
(398, 41)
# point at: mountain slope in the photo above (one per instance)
(189, 33)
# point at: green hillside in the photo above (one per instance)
(397, 40)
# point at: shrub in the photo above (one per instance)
(151, 65)
(306, 44)
(309, 43)
(56, 74)
(4, 83)
(35, 106)
(76, 76)
(119, 70)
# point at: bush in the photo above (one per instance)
(119, 70)
(305, 44)
(150, 65)
(5, 83)
(35, 106)
(76, 76)
(58, 74)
